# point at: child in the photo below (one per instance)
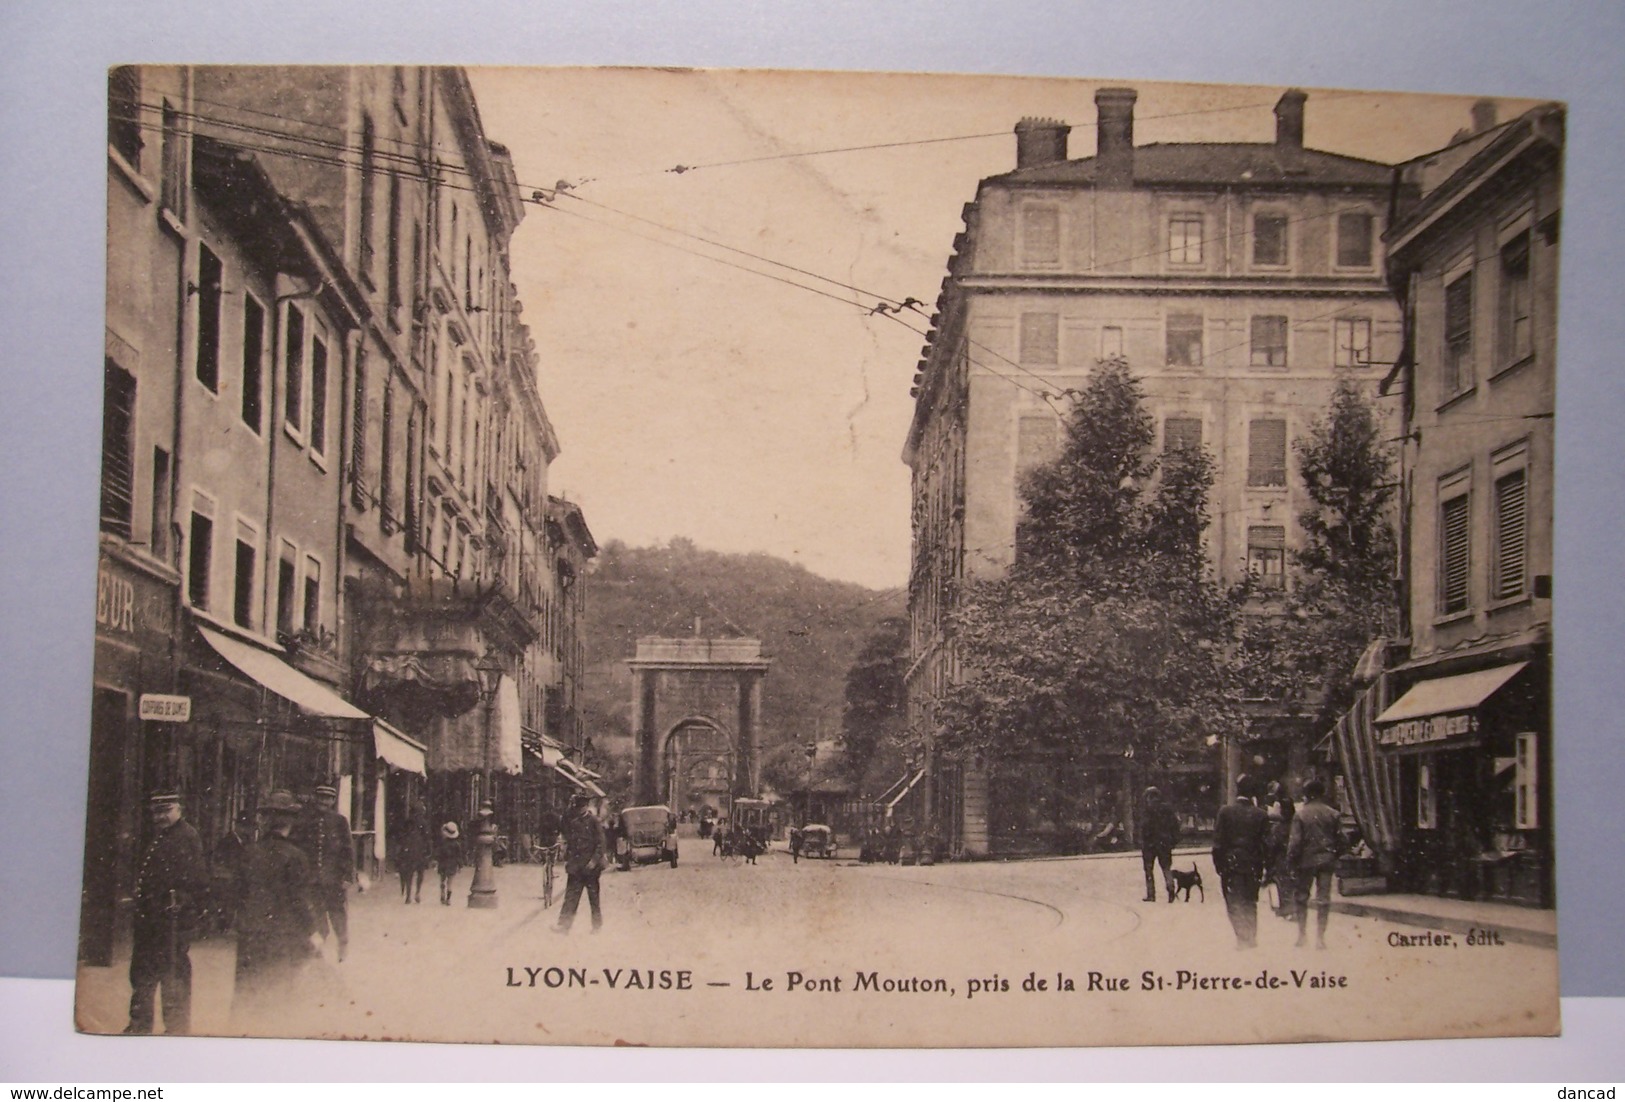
(448, 859)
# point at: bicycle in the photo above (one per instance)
(550, 855)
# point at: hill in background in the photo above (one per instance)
(811, 627)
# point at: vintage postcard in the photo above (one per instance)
(728, 558)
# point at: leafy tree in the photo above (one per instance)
(1107, 640)
(875, 699)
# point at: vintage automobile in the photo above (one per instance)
(645, 835)
(817, 840)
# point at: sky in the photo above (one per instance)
(693, 398)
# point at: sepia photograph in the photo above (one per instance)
(759, 558)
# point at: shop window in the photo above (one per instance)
(1269, 239)
(1182, 434)
(1458, 335)
(1525, 784)
(199, 556)
(1268, 340)
(1454, 554)
(124, 113)
(1351, 342)
(1040, 338)
(118, 449)
(209, 277)
(1184, 339)
(1427, 797)
(1040, 237)
(1511, 535)
(253, 362)
(1185, 239)
(1354, 240)
(1266, 555)
(1266, 452)
(1111, 342)
(1515, 328)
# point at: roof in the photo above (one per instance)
(1254, 163)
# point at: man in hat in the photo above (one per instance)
(1238, 855)
(585, 855)
(276, 929)
(324, 835)
(168, 889)
(1314, 843)
(1159, 830)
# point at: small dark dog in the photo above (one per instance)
(1180, 881)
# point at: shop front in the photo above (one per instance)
(1473, 752)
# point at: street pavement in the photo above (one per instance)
(1057, 951)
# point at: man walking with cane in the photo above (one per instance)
(172, 879)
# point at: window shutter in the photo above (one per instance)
(1510, 535)
(1453, 574)
(1040, 338)
(1266, 457)
(118, 459)
(1181, 433)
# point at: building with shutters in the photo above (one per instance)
(1241, 281)
(1473, 256)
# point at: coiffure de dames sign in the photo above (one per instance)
(1428, 729)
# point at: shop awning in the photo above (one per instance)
(904, 790)
(400, 750)
(265, 668)
(1446, 695)
(573, 773)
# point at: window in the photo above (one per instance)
(118, 449)
(1182, 434)
(1454, 554)
(1269, 239)
(1111, 342)
(1354, 240)
(1184, 340)
(1269, 340)
(199, 554)
(386, 456)
(1185, 239)
(313, 594)
(1516, 337)
(392, 259)
(410, 494)
(124, 113)
(1040, 338)
(1266, 555)
(1427, 797)
(1458, 335)
(318, 396)
(1511, 536)
(172, 182)
(293, 374)
(1525, 783)
(1038, 440)
(1351, 342)
(358, 429)
(242, 601)
(369, 170)
(1041, 236)
(1266, 452)
(209, 277)
(253, 362)
(160, 504)
(286, 569)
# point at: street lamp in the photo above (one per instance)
(812, 760)
(483, 892)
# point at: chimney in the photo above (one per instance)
(1289, 118)
(1040, 142)
(1114, 137)
(1483, 115)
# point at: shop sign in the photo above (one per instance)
(165, 709)
(115, 601)
(1415, 732)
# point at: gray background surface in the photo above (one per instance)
(52, 175)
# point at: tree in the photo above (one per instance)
(875, 700)
(1343, 596)
(1107, 641)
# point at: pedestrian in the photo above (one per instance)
(795, 845)
(584, 861)
(1313, 847)
(1159, 831)
(226, 871)
(1238, 855)
(448, 858)
(169, 888)
(413, 844)
(324, 835)
(276, 922)
(719, 838)
(1279, 810)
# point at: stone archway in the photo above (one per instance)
(687, 685)
(697, 764)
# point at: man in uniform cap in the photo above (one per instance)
(585, 855)
(324, 835)
(276, 930)
(171, 882)
(1238, 854)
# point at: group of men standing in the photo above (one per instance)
(287, 890)
(1243, 852)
